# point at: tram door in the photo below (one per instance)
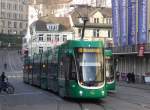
(64, 76)
(67, 72)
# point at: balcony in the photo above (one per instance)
(130, 49)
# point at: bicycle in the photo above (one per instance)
(7, 87)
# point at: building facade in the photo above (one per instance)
(98, 26)
(148, 21)
(135, 58)
(45, 35)
(13, 17)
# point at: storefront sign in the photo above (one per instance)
(141, 50)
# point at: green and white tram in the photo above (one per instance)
(74, 69)
(110, 73)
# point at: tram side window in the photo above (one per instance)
(64, 67)
(73, 74)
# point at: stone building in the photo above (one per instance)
(13, 17)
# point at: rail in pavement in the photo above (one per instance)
(135, 85)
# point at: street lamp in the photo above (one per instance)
(85, 19)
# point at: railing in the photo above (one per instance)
(130, 49)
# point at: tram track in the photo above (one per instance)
(131, 102)
(100, 104)
(135, 87)
(105, 107)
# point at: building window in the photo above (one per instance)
(96, 33)
(15, 7)
(48, 37)
(9, 31)
(8, 15)
(64, 38)
(56, 38)
(15, 16)
(9, 6)
(15, 24)
(26, 25)
(40, 38)
(109, 34)
(3, 5)
(20, 25)
(21, 8)
(3, 23)
(79, 32)
(110, 21)
(19, 16)
(3, 14)
(40, 49)
(94, 20)
(107, 20)
(97, 20)
(9, 23)
(41, 35)
(53, 27)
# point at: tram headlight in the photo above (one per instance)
(44, 66)
(81, 93)
(103, 92)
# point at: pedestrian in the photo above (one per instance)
(117, 75)
(133, 77)
(129, 77)
(3, 77)
(2, 80)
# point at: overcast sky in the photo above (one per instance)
(109, 3)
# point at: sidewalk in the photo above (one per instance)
(138, 86)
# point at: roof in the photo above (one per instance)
(87, 11)
(41, 25)
(64, 21)
(81, 12)
(94, 25)
(106, 12)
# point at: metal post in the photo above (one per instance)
(85, 19)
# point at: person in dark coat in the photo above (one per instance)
(133, 77)
(129, 76)
(2, 80)
(117, 75)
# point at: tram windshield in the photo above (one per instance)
(109, 69)
(90, 65)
